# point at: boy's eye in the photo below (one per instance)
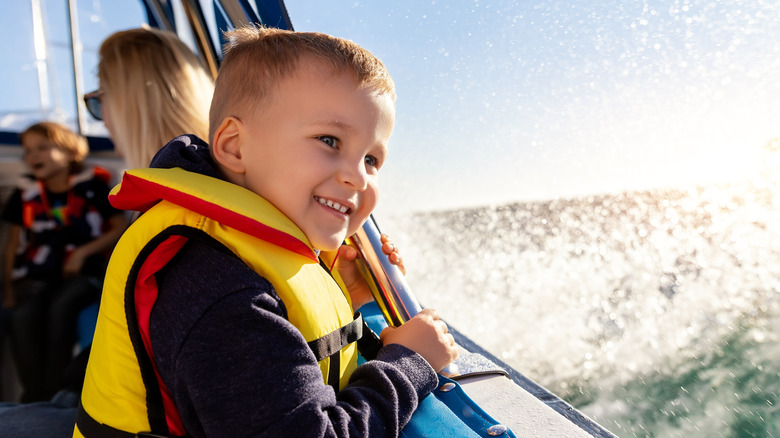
(329, 140)
(372, 161)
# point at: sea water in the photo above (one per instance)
(655, 313)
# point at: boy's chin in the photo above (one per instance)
(331, 244)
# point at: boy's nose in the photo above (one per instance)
(354, 176)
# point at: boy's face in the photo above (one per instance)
(44, 159)
(314, 151)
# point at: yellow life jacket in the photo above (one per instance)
(122, 391)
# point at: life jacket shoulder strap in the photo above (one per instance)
(334, 341)
(356, 331)
(331, 344)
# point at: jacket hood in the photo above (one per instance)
(188, 152)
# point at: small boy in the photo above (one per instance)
(62, 229)
(218, 317)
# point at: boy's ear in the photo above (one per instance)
(226, 145)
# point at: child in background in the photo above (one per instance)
(237, 327)
(62, 229)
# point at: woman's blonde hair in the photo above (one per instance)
(157, 90)
(64, 139)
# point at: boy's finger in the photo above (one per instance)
(346, 253)
(451, 339)
(429, 314)
(388, 247)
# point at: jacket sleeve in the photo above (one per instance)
(236, 367)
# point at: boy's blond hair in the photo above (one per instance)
(64, 139)
(158, 90)
(258, 58)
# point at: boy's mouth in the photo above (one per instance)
(333, 204)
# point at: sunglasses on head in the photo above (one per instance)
(94, 104)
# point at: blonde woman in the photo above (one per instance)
(152, 89)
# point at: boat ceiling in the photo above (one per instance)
(59, 64)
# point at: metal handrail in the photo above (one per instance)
(386, 281)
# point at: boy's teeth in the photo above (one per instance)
(333, 205)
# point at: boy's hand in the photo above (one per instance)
(357, 287)
(391, 251)
(426, 335)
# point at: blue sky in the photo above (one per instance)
(506, 101)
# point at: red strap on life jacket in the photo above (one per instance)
(140, 194)
(145, 297)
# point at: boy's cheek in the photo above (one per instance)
(360, 218)
(353, 227)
